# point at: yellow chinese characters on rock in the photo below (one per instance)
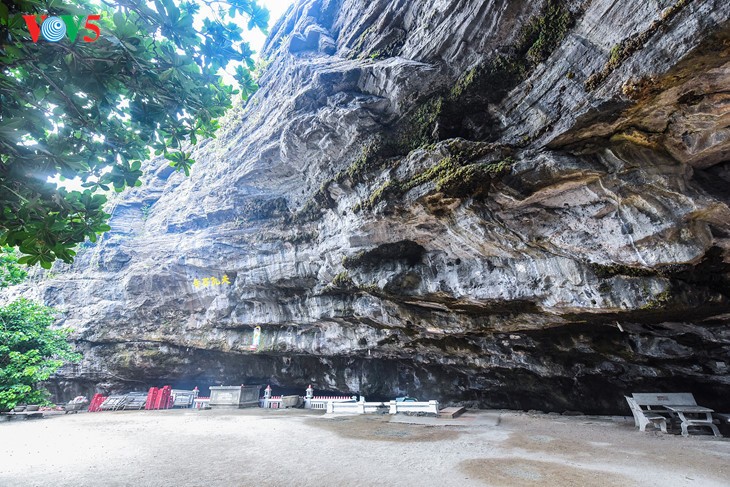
(211, 281)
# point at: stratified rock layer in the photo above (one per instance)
(499, 203)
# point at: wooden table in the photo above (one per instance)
(694, 420)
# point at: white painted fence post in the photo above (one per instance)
(433, 407)
(393, 407)
(330, 407)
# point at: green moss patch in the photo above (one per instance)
(262, 209)
(620, 52)
(405, 250)
(608, 271)
(545, 32)
(455, 176)
(490, 81)
(541, 35)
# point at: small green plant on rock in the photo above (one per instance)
(614, 57)
(145, 209)
(343, 280)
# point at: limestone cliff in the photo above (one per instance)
(514, 204)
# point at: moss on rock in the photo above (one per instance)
(622, 51)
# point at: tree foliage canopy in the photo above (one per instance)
(10, 272)
(95, 110)
(29, 352)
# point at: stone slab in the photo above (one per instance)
(452, 412)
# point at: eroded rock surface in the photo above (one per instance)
(501, 203)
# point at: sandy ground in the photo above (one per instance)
(302, 448)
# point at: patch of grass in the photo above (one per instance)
(389, 50)
(351, 261)
(370, 289)
(434, 172)
(468, 151)
(453, 177)
(312, 209)
(500, 167)
(343, 283)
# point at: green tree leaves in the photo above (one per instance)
(10, 272)
(259, 18)
(246, 83)
(30, 352)
(94, 110)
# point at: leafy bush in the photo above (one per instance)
(30, 352)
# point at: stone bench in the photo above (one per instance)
(643, 418)
(677, 406)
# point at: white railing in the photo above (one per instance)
(431, 407)
(273, 402)
(362, 407)
(320, 402)
(353, 407)
(350, 405)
